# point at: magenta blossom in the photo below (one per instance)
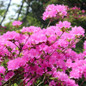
(16, 23)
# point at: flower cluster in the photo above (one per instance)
(16, 23)
(55, 11)
(76, 13)
(33, 54)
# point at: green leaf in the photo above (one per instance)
(53, 78)
(15, 84)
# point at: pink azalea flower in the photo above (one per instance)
(2, 69)
(16, 23)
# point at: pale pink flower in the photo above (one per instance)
(16, 23)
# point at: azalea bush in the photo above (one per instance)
(76, 16)
(35, 56)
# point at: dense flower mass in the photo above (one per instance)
(35, 56)
(55, 11)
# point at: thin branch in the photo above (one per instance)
(71, 44)
(49, 24)
(13, 78)
(5, 12)
(20, 9)
(42, 81)
(82, 82)
(80, 1)
(27, 10)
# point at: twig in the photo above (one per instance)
(57, 39)
(6, 12)
(20, 9)
(48, 23)
(12, 79)
(27, 11)
(41, 82)
(82, 82)
(70, 45)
